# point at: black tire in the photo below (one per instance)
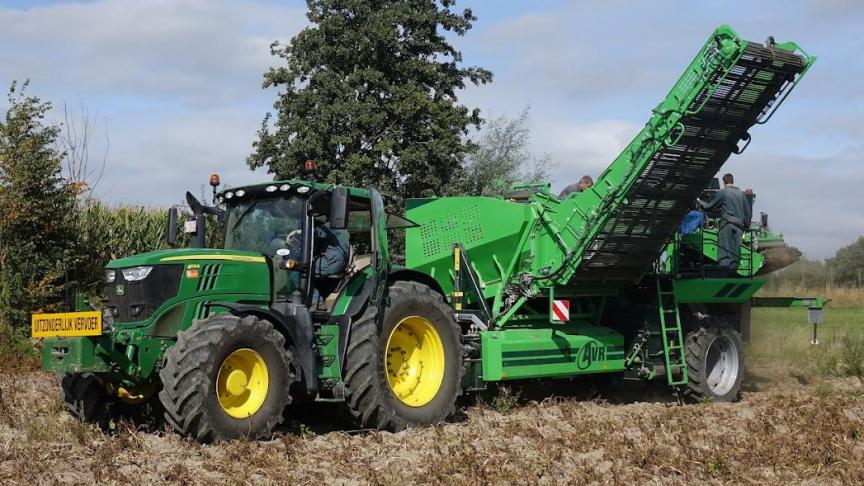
(192, 365)
(715, 362)
(369, 399)
(85, 398)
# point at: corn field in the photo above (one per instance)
(106, 233)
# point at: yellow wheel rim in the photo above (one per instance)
(414, 361)
(241, 385)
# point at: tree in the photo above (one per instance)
(75, 139)
(501, 158)
(36, 201)
(369, 92)
(847, 265)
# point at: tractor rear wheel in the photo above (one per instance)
(408, 372)
(715, 362)
(226, 377)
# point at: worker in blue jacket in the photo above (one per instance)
(735, 215)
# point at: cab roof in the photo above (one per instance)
(287, 186)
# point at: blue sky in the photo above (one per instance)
(175, 86)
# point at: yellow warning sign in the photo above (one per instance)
(87, 323)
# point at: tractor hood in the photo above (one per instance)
(182, 255)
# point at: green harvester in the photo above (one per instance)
(218, 342)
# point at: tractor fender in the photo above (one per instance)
(352, 301)
(294, 321)
(399, 274)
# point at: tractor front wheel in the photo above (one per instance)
(226, 377)
(715, 362)
(409, 371)
(85, 398)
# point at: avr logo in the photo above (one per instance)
(589, 353)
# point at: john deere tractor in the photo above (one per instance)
(219, 341)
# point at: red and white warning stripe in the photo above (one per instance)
(561, 310)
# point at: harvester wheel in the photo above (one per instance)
(715, 362)
(408, 372)
(85, 398)
(226, 377)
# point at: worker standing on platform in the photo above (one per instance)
(735, 215)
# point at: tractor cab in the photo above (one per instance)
(314, 237)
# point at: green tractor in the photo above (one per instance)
(218, 342)
(222, 340)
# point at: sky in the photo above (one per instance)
(174, 88)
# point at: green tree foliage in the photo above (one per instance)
(847, 265)
(501, 158)
(35, 236)
(369, 92)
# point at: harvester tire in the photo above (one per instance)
(715, 362)
(226, 377)
(419, 316)
(85, 398)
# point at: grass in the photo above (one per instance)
(784, 335)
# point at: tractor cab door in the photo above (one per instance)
(380, 250)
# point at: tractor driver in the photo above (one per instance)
(735, 215)
(331, 250)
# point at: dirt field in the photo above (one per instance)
(783, 431)
(795, 424)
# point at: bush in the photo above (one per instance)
(17, 352)
(36, 202)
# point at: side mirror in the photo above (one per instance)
(194, 204)
(172, 226)
(340, 200)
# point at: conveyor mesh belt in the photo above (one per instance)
(631, 240)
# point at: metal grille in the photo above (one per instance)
(631, 239)
(139, 300)
(463, 226)
(207, 278)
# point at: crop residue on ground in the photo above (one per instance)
(783, 433)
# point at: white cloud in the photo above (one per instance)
(580, 148)
(176, 82)
(193, 50)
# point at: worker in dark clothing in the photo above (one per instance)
(331, 254)
(735, 215)
(331, 251)
(584, 183)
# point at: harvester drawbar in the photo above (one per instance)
(217, 342)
